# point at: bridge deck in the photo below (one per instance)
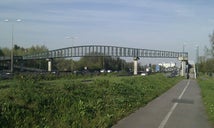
(6, 58)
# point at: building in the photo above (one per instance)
(167, 65)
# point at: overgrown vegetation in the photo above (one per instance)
(207, 87)
(206, 62)
(76, 102)
(206, 79)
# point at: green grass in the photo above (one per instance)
(92, 102)
(207, 88)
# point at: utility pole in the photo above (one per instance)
(12, 43)
(11, 64)
(197, 59)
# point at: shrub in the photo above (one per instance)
(75, 103)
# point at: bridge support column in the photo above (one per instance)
(49, 64)
(135, 65)
(183, 65)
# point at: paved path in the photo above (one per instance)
(179, 107)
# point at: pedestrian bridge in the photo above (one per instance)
(101, 50)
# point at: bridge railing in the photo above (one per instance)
(4, 58)
(9, 58)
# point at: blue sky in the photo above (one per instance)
(149, 24)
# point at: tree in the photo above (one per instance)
(210, 51)
(212, 43)
(1, 52)
(202, 63)
(37, 49)
(42, 64)
(209, 66)
(18, 50)
(6, 51)
(92, 63)
(62, 64)
(206, 63)
(96, 62)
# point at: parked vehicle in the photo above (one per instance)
(144, 74)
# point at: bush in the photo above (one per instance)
(99, 102)
(206, 85)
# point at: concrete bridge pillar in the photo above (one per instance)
(183, 68)
(183, 65)
(49, 65)
(135, 65)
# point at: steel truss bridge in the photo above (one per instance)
(99, 50)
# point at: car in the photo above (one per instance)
(102, 71)
(109, 71)
(6, 75)
(144, 74)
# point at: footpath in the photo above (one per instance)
(179, 107)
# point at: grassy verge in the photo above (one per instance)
(78, 103)
(207, 88)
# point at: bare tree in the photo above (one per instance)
(211, 36)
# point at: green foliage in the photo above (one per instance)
(207, 66)
(62, 64)
(212, 44)
(206, 63)
(1, 52)
(98, 62)
(19, 51)
(6, 51)
(206, 84)
(93, 63)
(78, 103)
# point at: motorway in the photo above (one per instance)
(179, 107)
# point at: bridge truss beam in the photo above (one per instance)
(99, 50)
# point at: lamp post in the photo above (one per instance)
(197, 54)
(197, 60)
(12, 43)
(184, 45)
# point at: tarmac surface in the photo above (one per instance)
(179, 107)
